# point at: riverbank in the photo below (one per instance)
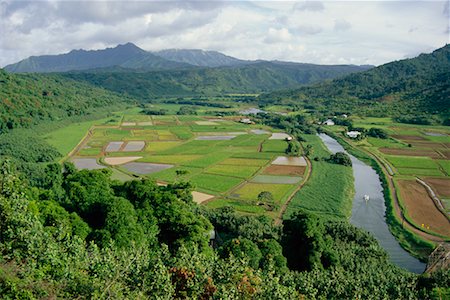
(416, 242)
(368, 210)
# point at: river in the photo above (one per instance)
(369, 215)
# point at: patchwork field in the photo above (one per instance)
(228, 163)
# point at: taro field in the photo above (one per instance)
(228, 163)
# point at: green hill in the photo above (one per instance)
(253, 78)
(28, 99)
(414, 86)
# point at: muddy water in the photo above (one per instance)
(369, 215)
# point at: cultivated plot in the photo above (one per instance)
(145, 168)
(87, 163)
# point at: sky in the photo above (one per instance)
(321, 32)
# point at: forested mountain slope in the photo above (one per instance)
(419, 85)
(27, 99)
(254, 78)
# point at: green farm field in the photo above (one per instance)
(219, 157)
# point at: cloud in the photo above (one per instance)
(314, 6)
(342, 25)
(306, 31)
(278, 35)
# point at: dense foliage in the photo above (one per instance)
(340, 158)
(29, 99)
(105, 239)
(32, 161)
(256, 77)
(413, 89)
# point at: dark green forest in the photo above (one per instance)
(412, 88)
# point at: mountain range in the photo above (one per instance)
(132, 58)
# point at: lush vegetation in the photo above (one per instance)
(86, 236)
(30, 99)
(413, 90)
(257, 77)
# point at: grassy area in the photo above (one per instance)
(250, 191)
(231, 170)
(329, 190)
(415, 162)
(212, 182)
(274, 146)
(66, 138)
(445, 164)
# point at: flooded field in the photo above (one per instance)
(259, 131)
(215, 137)
(87, 163)
(113, 146)
(134, 146)
(279, 136)
(145, 168)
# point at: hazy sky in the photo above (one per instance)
(324, 32)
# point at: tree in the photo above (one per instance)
(309, 150)
(242, 248)
(265, 197)
(340, 158)
(377, 133)
(293, 148)
(122, 223)
(303, 241)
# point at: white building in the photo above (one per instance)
(353, 134)
(328, 122)
(246, 121)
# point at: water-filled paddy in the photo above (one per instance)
(145, 168)
(113, 146)
(279, 136)
(87, 163)
(215, 137)
(134, 146)
(259, 131)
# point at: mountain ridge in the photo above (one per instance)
(130, 56)
(412, 86)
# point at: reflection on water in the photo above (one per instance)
(369, 215)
